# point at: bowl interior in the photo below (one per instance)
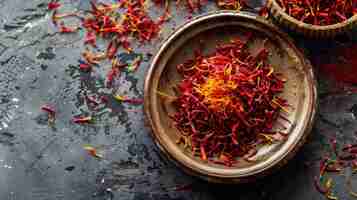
(205, 35)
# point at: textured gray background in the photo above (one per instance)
(39, 66)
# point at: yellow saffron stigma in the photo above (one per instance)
(119, 97)
(270, 71)
(217, 93)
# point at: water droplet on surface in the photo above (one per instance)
(8, 166)
(15, 99)
(5, 125)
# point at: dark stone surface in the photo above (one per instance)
(37, 162)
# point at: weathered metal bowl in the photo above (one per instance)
(214, 28)
(309, 30)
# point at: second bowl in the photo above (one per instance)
(309, 30)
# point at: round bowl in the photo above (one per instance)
(209, 30)
(309, 30)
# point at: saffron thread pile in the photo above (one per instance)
(228, 102)
(317, 12)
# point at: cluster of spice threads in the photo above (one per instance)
(320, 12)
(105, 21)
(194, 5)
(191, 5)
(228, 103)
(341, 158)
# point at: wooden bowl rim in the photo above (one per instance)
(211, 175)
(275, 5)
